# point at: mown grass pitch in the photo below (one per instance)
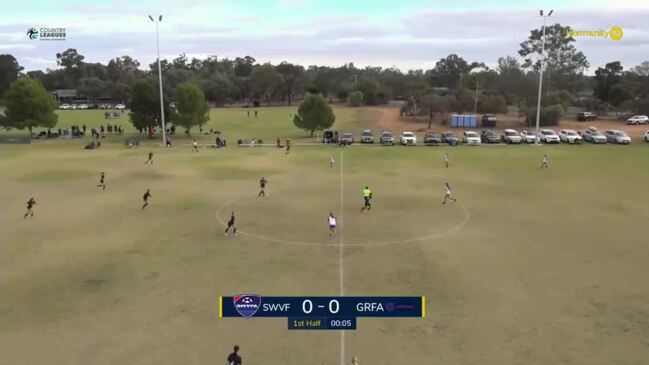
(549, 268)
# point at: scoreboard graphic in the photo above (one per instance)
(320, 313)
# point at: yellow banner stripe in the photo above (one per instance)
(220, 306)
(423, 307)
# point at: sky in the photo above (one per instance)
(407, 34)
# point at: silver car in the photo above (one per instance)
(592, 135)
(617, 137)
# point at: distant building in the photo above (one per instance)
(65, 96)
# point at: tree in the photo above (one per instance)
(314, 114)
(92, 87)
(561, 56)
(264, 80)
(370, 90)
(434, 105)
(29, 105)
(71, 61)
(243, 66)
(191, 107)
(145, 105)
(450, 71)
(290, 74)
(641, 69)
(608, 86)
(355, 98)
(9, 72)
(549, 115)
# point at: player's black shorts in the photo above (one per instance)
(368, 201)
(263, 186)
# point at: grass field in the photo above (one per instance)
(531, 266)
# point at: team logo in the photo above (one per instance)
(247, 304)
(32, 33)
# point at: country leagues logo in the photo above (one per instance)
(47, 34)
(247, 304)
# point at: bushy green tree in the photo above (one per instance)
(29, 105)
(314, 114)
(191, 108)
(145, 105)
(355, 98)
(549, 115)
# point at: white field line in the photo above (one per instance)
(341, 254)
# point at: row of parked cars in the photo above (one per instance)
(91, 106)
(508, 136)
(632, 120)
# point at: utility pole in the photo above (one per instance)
(162, 109)
(538, 102)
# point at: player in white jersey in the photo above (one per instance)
(545, 162)
(447, 190)
(332, 161)
(332, 225)
(446, 159)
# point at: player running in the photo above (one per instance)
(262, 186)
(446, 160)
(102, 181)
(146, 197)
(150, 160)
(195, 146)
(332, 161)
(288, 146)
(234, 358)
(332, 225)
(447, 190)
(30, 208)
(367, 197)
(231, 225)
(545, 162)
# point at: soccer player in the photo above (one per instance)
(446, 159)
(234, 231)
(195, 146)
(288, 146)
(367, 197)
(447, 190)
(332, 225)
(545, 161)
(262, 186)
(30, 206)
(234, 358)
(150, 160)
(102, 181)
(332, 161)
(146, 197)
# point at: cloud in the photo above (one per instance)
(414, 38)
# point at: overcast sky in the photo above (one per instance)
(408, 34)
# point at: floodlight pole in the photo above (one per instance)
(162, 111)
(538, 101)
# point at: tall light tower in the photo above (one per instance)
(538, 102)
(162, 109)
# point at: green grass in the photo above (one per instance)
(271, 123)
(549, 268)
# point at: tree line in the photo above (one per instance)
(452, 85)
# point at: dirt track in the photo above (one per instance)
(387, 118)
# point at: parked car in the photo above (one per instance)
(592, 135)
(471, 138)
(511, 136)
(83, 106)
(408, 138)
(638, 119)
(450, 138)
(548, 136)
(617, 137)
(367, 136)
(432, 139)
(74, 106)
(387, 138)
(570, 136)
(120, 106)
(529, 137)
(329, 137)
(347, 138)
(64, 106)
(646, 136)
(489, 136)
(586, 117)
